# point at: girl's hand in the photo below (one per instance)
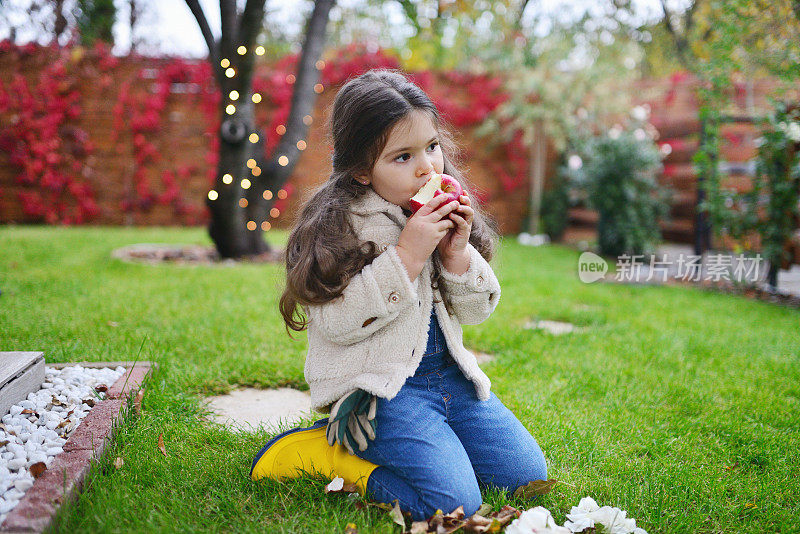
(454, 244)
(423, 232)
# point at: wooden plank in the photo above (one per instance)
(22, 373)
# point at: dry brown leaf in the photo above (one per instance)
(119, 462)
(418, 527)
(100, 388)
(161, 445)
(37, 469)
(484, 509)
(350, 529)
(4, 442)
(381, 505)
(397, 514)
(534, 488)
(480, 524)
(505, 515)
(137, 402)
(27, 411)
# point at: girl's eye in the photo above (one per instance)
(404, 154)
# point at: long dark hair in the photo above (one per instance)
(323, 252)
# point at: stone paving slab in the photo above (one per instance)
(63, 479)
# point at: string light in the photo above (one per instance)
(254, 138)
(266, 226)
(251, 163)
(281, 129)
(256, 98)
(301, 145)
(230, 109)
(320, 64)
(274, 212)
(257, 171)
(283, 161)
(227, 178)
(242, 202)
(290, 79)
(225, 63)
(234, 95)
(282, 194)
(245, 184)
(251, 225)
(307, 120)
(212, 195)
(318, 88)
(260, 51)
(242, 50)
(230, 73)
(267, 194)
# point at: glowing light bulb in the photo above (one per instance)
(230, 72)
(242, 202)
(227, 178)
(242, 50)
(274, 212)
(301, 145)
(225, 63)
(260, 50)
(256, 171)
(282, 194)
(251, 225)
(318, 88)
(254, 138)
(230, 109)
(251, 163)
(290, 79)
(212, 195)
(307, 120)
(256, 98)
(265, 226)
(281, 129)
(267, 194)
(245, 184)
(320, 64)
(283, 161)
(234, 95)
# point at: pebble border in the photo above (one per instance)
(63, 479)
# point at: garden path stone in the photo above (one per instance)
(245, 409)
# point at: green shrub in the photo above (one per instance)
(620, 171)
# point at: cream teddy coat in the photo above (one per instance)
(374, 335)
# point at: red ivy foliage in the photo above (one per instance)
(52, 153)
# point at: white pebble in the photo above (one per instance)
(16, 463)
(23, 484)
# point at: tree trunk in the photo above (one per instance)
(536, 170)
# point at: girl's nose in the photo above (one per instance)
(426, 169)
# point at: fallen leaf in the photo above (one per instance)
(4, 442)
(37, 469)
(113, 324)
(534, 488)
(161, 445)
(482, 524)
(505, 515)
(397, 515)
(350, 529)
(118, 462)
(484, 509)
(418, 527)
(137, 402)
(100, 388)
(381, 505)
(27, 411)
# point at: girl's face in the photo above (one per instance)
(412, 153)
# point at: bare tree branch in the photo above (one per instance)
(228, 16)
(205, 29)
(250, 23)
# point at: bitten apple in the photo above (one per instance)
(438, 184)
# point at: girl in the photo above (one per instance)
(384, 294)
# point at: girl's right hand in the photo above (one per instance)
(423, 232)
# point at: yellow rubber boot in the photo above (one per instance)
(291, 453)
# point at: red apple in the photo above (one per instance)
(438, 184)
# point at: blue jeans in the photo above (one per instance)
(437, 445)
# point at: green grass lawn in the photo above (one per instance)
(677, 405)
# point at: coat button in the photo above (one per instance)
(479, 280)
(393, 296)
(383, 248)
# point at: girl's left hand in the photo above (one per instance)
(455, 242)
